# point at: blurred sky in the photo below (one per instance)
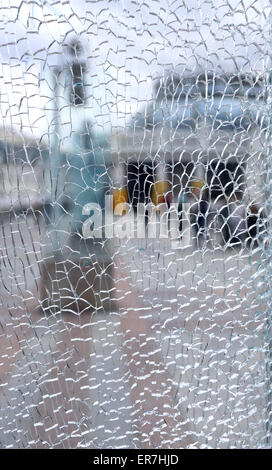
(127, 44)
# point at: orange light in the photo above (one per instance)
(120, 201)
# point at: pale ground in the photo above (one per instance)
(179, 362)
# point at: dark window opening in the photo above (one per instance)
(140, 181)
(77, 95)
(225, 179)
(180, 175)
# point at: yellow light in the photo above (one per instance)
(159, 192)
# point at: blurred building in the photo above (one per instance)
(78, 154)
(209, 127)
(77, 274)
(22, 186)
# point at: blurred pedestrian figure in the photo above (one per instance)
(233, 220)
(198, 212)
(256, 224)
(182, 199)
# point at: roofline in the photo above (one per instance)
(11, 135)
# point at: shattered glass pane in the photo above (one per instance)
(135, 224)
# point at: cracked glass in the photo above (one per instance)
(135, 224)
